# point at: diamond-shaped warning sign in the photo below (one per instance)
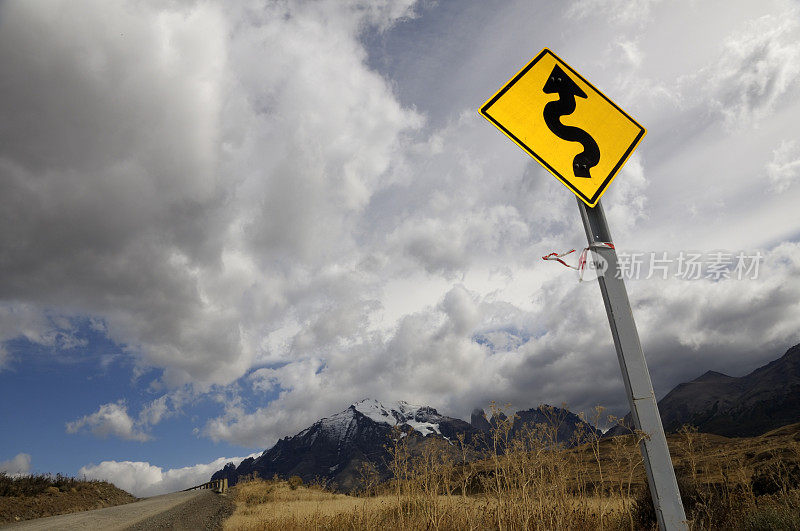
(565, 123)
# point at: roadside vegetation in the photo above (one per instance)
(39, 495)
(535, 481)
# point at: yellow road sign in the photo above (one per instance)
(566, 124)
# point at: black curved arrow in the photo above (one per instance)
(560, 83)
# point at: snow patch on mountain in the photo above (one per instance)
(338, 426)
(342, 425)
(425, 428)
(421, 418)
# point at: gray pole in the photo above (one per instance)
(642, 399)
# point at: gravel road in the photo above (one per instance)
(197, 509)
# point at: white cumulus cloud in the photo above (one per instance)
(110, 419)
(759, 67)
(784, 168)
(143, 479)
(19, 465)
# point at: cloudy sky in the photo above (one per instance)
(221, 221)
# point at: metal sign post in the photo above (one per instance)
(530, 109)
(639, 388)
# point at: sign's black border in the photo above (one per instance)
(591, 201)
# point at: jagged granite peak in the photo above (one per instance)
(479, 421)
(746, 406)
(497, 419)
(570, 429)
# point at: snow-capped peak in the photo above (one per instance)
(421, 418)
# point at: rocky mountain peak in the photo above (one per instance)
(712, 376)
(478, 420)
(333, 448)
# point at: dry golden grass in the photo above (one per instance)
(535, 482)
(304, 508)
(274, 501)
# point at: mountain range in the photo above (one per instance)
(333, 449)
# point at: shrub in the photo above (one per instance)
(35, 484)
(775, 477)
(254, 492)
(770, 518)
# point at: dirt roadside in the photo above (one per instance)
(199, 509)
(207, 511)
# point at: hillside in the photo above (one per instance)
(37, 496)
(765, 399)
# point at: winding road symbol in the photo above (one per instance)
(560, 83)
(552, 112)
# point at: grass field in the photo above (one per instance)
(534, 482)
(309, 508)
